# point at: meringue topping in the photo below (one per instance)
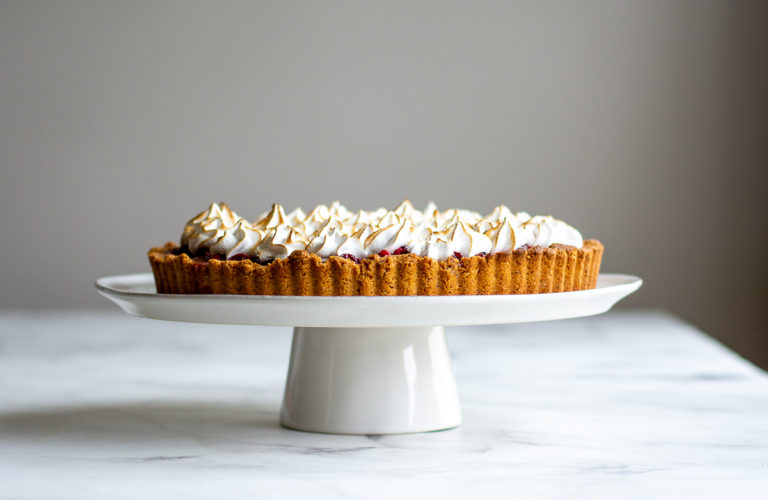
(335, 230)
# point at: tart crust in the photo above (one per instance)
(558, 268)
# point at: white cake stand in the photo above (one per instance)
(366, 365)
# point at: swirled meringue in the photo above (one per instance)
(335, 242)
(204, 229)
(333, 230)
(280, 242)
(274, 218)
(465, 240)
(546, 230)
(502, 236)
(241, 238)
(390, 238)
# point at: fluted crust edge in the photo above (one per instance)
(558, 268)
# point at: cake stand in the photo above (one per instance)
(366, 365)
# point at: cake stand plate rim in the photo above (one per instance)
(132, 292)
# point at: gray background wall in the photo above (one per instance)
(641, 123)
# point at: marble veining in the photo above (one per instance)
(623, 405)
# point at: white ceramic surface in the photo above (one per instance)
(627, 405)
(135, 293)
(370, 381)
(366, 365)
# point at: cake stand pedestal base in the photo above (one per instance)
(370, 381)
(366, 365)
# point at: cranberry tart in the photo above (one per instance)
(405, 251)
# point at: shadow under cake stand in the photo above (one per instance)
(366, 365)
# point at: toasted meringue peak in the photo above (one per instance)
(281, 242)
(295, 216)
(274, 218)
(240, 238)
(333, 230)
(502, 236)
(390, 238)
(363, 232)
(389, 219)
(208, 226)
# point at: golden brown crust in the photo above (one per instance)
(559, 268)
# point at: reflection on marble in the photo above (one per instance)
(624, 405)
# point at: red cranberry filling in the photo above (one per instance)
(203, 255)
(350, 257)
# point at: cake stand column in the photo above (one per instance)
(370, 381)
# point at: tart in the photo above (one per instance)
(333, 251)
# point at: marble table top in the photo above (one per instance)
(624, 405)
